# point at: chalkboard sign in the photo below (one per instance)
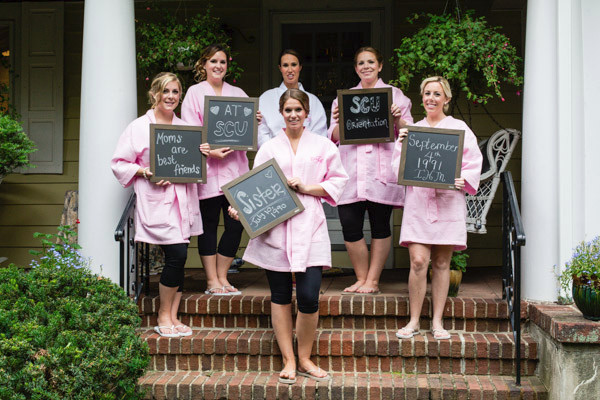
(231, 122)
(431, 157)
(262, 198)
(174, 154)
(365, 116)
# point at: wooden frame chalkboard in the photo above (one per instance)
(262, 198)
(365, 116)
(431, 157)
(230, 122)
(175, 155)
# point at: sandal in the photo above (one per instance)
(440, 334)
(408, 332)
(288, 380)
(158, 329)
(214, 292)
(309, 374)
(186, 333)
(231, 293)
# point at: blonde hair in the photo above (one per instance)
(207, 53)
(159, 83)
(295, 94)
(445, 87)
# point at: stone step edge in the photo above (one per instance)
(373, 305)
(350, 343)
(264, 385)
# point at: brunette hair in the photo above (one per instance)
(295, 94)
(370, 49)
(291, 52)
(207, 53)
(445, 87)
(159, 83)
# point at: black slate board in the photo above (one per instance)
(175, 155)
(231, 122)
(365, 116)
(262, 198)
(431, 157)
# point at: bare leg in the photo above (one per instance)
(166, 296)
(417, 280)
(306, 327)
(440, 263)
(210, 268)
(223, 265)
(380, 249)
(175, 311)
(281, 317)
(359, 257)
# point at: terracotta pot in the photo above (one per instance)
(455, 280)
(587, 297)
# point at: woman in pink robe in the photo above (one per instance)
(224, 165)
(166, 214)
(434, 220)
(301, 244)
(372, 186)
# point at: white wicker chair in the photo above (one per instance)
(496, 151)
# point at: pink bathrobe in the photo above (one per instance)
(222, 171)
(163, 215)
(301, 241)
(368, 165)
(438, 216)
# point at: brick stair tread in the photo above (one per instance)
(264, 385)
(352, 343)
(373, 305)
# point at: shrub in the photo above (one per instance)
(15, 146)
(66, 333)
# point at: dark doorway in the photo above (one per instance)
(328, 50)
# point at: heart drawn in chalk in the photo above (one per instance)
(269, 174)
(214, 110)
(247, 111)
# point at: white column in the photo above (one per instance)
(540, 172)
(590, 102)
(108, 104)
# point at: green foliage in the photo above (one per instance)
(66, 333)
(163, 41)
(15, 146)
(459, 261)
(475, 58)
(584, 265)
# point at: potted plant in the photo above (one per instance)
(458, 265)
(476, 58)
(15, 146)
(582, 275)
(168, 42)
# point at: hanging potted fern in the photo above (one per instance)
(174, 42)
(476, 58)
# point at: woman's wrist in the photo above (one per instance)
(145, 173)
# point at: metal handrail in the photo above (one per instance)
(134, 266)
(513, 238)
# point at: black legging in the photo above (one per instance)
(352, 216)
(308, 285)
(173, 272)
(230, 240)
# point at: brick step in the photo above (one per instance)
(336, 312)
(345, 350)
(342, 386)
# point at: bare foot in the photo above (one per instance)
(368, 288)
(354, 288)
(180, 327)
(310, 367)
